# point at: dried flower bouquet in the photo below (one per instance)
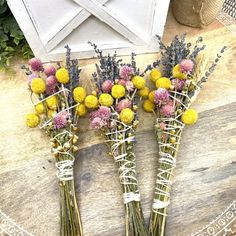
(114, 113)
(54, 93)
(184, 71)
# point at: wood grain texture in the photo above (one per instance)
(205, 176)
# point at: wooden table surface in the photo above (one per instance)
(205, 177)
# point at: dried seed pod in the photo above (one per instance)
(74, 140)
(67, 145)
(75, 149)
(173, 131)
(173, 139)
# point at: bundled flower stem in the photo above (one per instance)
(54, 93)
(185, 72)
(115, 115)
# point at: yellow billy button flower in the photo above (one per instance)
(62, 75)
(139, 82)
(32, 120)
(81, 110)
(52, 102)
(91, 101)
(79, 94)
(154, 75)
(127, 116)
(106, 99)
(189, 117)
(163, 82)
(39, 108)
(144, 92)
(177, 73)
(38, 85)
(148, 106)
(151, 96)
(51, 114)
(118, 91)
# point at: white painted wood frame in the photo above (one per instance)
(121, 25)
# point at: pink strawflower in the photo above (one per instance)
(162, 126)
(50, 70)
(36, 64)
(124, 103)
(104, 112)
(106, 86)
(129, 86)
(51, 81)
(122, 82)
(186, 65)
(178, 84)
(96, 123)
(161, 96)
(126, 72)
(168, 109)
(60, 120)
(31, 76)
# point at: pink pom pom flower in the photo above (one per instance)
(124, 103)
(96, 123)
(161, 96)
(50, 70)
(104, 112)
(129, 86)
(50, 90)
(36, 64)
(60, 120)
(126, 72)
(168, 109)
(51, 81)
(106, 86)
(186, 65)
(122, 82)
(178, 84)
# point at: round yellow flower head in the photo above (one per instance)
(127, 116)
(62, 75)
(151, 96)
(39, 108)
(38, 85)
(176, 72)
(118, 91)
(139, 82)
(144, 92)
(81, 110)
(52, 102)
(79, 94)
(163, 82)
(51, 114)
(154, 75)
(148, 106)
(32, 120)
(189, 117)
(91, 101)
(106, 99)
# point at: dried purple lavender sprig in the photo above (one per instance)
(177, 51)
(108, 68)
(72, 66)
(212, 67)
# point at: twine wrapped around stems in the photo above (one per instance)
(121, 141)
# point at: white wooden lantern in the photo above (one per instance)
(121, 25)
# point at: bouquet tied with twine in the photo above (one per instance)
(57, 104)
